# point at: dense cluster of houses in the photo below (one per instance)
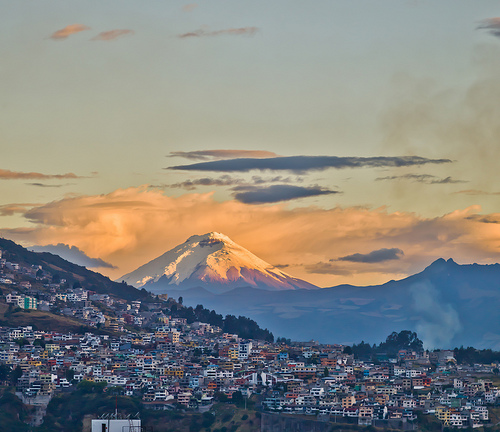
(191, 366)
(170, 363)
(392, 390)
(31, 287)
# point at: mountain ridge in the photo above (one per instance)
(447, 304)
(71, 271)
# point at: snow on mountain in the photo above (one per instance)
(212, 261)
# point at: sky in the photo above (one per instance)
(345, 141)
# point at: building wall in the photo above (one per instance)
(116, 425)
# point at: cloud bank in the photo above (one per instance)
(129, 227)
(303, 164)
(277, 193)
(375, 256)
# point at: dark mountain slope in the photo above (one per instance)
(56, 265)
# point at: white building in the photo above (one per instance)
(244, 350)
(116, 425)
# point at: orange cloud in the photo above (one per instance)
(129, 227)
(10, 209)
(189, 7)
(249, 31)
(68, 31)
(15, 175)
(113, 34)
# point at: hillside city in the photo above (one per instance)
(146, 350)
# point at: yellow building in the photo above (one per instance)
(443, 414)
(175, 372)
(348, 401)
(174, 336)
(161, 334)
(226, 365)
(51, 347)
(233, 353)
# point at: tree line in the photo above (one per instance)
(244, 327)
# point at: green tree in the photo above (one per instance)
(405, 339)
(39, 342)
(4, 372)
(22, 342)
(91, 387)
(70, 374)
(237, 399)
(15, 375)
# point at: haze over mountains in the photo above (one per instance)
(447, 304)
(212, 261)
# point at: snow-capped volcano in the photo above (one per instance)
(212, 261)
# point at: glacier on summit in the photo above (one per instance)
(214, 262)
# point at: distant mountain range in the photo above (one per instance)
(216, 263)
(447, 304)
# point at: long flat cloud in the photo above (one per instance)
(15, 175)
(474, 192)
(72, 254)
(302, 164)
(130, 227)
(113, 34)
(376, 256)
(242, 31)
(43, 185)
(277, 193)
(67, 31)
(222, 154)
(224, 180)
(423, 178)
(227, 180)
